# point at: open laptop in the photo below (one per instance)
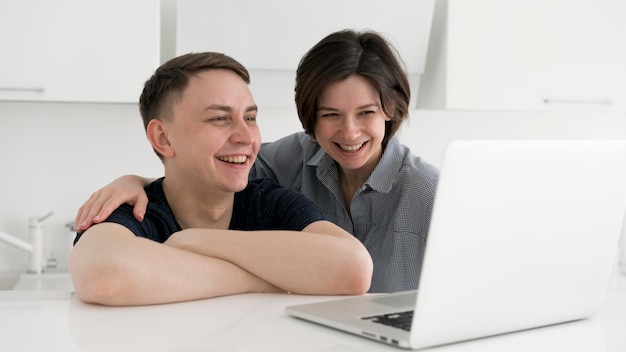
(523, 234)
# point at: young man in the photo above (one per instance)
(195, 240)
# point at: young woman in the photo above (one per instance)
(352, 95)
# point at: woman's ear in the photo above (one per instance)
(390, 112)
(390, 108)
(158, 137)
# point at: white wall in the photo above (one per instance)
(54, 155)
(429, 131)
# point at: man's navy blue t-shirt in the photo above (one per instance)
(262, 205)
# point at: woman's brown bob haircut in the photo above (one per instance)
(346, 53)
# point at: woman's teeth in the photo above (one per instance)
(350, 148)
(234, 159)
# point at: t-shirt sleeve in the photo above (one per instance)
(123, 216)
(157, 224)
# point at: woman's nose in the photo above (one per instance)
(350, 128)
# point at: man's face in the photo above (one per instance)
(213, 132)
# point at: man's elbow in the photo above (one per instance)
(99, 288)
(355, 277)
(96, 283)
(99, 265)
(360, 277)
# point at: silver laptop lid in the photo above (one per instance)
(523, 234)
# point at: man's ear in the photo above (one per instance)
(158, 137)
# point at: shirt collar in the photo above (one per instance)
(386, 171)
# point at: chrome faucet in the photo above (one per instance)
(34, 246)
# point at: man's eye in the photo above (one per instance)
(218, 120)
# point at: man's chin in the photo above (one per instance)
(237, 185)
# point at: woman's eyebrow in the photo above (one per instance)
(365, 106)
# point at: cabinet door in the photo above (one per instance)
(83, 51)
(535, 55)
(270, 37)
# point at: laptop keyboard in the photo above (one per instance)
(401, 320)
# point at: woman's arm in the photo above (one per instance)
(111, 266)
(322, 259)
(125, 189)
(272, 158)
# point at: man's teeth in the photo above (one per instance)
(234, 159)
(350, 148)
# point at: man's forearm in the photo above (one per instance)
(111, 269)
(299, 262)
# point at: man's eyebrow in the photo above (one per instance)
(229, 109)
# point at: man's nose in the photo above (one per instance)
(242, 132)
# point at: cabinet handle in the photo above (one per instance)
(579, 101)
(23, 89)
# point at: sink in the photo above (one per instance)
(45, 282)
(22, 286)
(8, 279)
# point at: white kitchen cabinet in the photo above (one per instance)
(269, 37)
(527, 55)
(77, 50)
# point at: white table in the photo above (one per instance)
(256, 322)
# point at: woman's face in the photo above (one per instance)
(350, 124)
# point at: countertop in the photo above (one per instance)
(256, 322)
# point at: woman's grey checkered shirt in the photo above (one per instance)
(390, 212)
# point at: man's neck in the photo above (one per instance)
(199, 208)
